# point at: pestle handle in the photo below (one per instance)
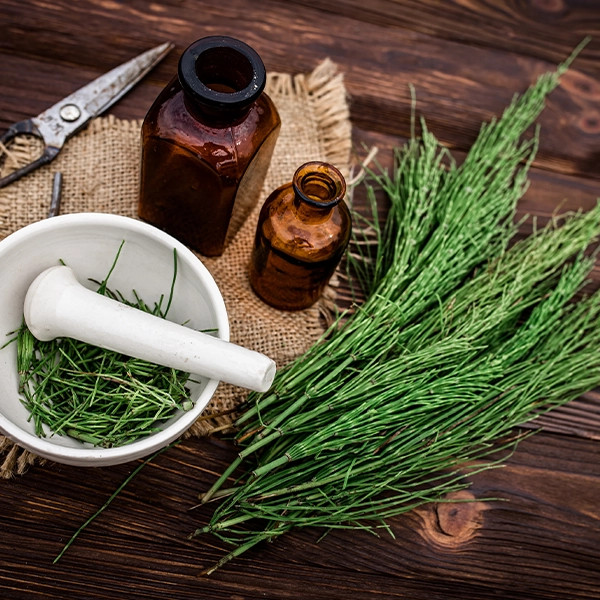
(57, 305)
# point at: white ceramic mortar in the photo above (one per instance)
(88, 243)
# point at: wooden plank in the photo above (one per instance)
(458, 84)
(538, 29)
(542, 530)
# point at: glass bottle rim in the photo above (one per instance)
(250, 83)
(329, 183)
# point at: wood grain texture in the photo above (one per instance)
(533, 527)
(458, 84)
(540, 531)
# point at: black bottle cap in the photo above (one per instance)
(222, 72)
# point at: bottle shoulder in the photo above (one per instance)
(172, 115)
(306, 237)
(226, 146)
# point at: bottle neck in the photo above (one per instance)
(214, 116)
(221, 77)
(318, 188)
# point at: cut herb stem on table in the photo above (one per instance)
(463, 336)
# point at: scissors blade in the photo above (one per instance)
(107, 89)
(61, 121)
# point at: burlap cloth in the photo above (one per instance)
(100, 168)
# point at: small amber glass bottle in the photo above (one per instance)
(303, 230)
(207, 142)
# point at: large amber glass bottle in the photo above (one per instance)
(303, 230)
(207, 142)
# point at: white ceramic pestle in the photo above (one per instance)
(57, 305)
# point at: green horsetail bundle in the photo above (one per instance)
(463, 336)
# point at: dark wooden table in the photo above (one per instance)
(465, 58)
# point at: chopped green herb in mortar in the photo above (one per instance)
(94, 395)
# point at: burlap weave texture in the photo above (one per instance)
(100, 168)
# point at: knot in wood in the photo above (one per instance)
(590, 124)
(581, 87)
(455, 521)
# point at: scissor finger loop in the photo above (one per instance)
(48, 155)
(26, 127)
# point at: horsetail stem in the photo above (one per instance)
(462, 337)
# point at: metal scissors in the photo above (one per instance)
(59, 122)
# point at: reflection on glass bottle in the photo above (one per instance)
(207, 142)
(302, 232)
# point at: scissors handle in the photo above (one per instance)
(23, 128)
